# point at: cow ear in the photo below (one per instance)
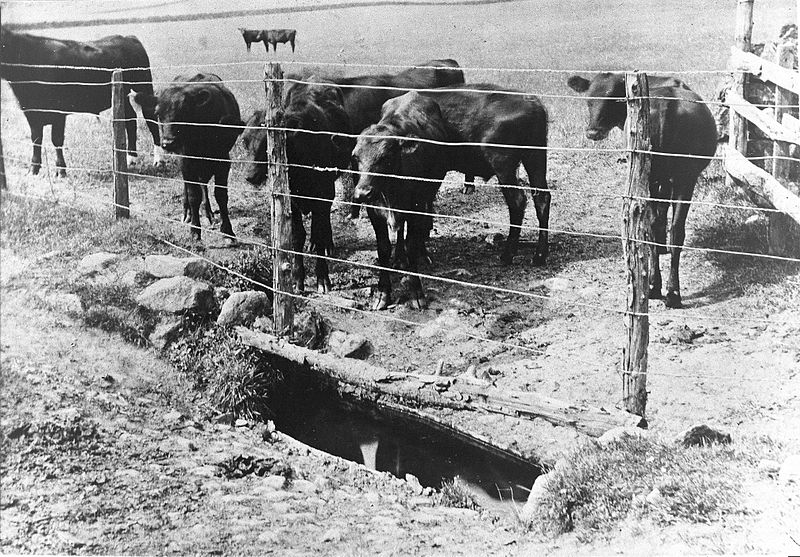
(203, 98)
(413, 156)
(578, 83)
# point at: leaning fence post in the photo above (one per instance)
(280, 208)
(121, 201)
(637, 219)
(737, 132)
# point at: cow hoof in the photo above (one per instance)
(381, 301)
(299, 286)
(61, 173)
(417, 301)
(34, 170)
(539, 258)
(323, 286)
(506, 259)
(230, 242)
(655, 294)
(673, 300)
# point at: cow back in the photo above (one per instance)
(74, 76)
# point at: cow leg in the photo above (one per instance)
(384, 245)
(222, 169)
(469, 184)
(193, 197)
(535, 163)
(130, 130)
(677, 236)
(659, 233)
(57, 137)
(292, 43)
(400, 260)
(417, 232)
(516, 201)
(298, 245)
(322, 243)
(37, 133)
(150, 119)
(207, 206)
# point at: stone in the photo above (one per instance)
(535, 497)
(332, 535)
(274, 482)
(349, 345)
(701, 435)
(414, 484)
(165, 333)
(790, 470)
(304, 486)
(654, 497)
(617, 434)
(243, 308)
(165, 266)
(97, 262)
(769, 467)
(176, 295)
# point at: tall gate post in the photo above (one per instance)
(280, 204)
(783, 232)
(120, 165)
(738, 125)
(3, 182)
(637, 221)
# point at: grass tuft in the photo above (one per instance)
(603, 486)
(112, 308)
(456, 493)
(237, 378)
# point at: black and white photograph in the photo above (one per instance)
(399, 277)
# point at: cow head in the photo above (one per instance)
(254, 140)
(606, 101)
(394, 147)
(178, 105)
(378, 152)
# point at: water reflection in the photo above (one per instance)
(401, 446)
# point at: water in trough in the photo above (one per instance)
(396, 444)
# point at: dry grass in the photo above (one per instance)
(602, 487)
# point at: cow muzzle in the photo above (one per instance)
(169, 144)
(363, 193)
(596, 134)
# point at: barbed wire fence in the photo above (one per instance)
(636, 199)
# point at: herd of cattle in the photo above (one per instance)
(400, 133)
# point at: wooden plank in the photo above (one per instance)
(760, 183)
(762, 119)
(765, 70)
(121, 199)
(408, 389)
(637, 225)
(280, 203)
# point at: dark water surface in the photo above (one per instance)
(393, 443)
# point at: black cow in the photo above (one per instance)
(275, 36)
(200, 119)
(487, 116)
(363, 106)
(268, 36)
(306, 107)
(682, 126)
(37, 68)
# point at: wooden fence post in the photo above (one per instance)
(637, 221)
(280, 205)
(120, 165)
(738, 125)
(783, 232)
